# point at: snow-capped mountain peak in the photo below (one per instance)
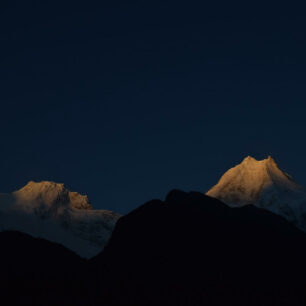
(49, 210)
(264, 184)
(47, 195)
(244, 183)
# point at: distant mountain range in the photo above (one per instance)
(49, 210)
(233, 246)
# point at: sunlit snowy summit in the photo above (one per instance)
(263, 184)
(49, 210)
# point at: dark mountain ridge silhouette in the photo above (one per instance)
(190, 249)
(194, 250)
(35, 271)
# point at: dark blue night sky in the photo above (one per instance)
(127, 100)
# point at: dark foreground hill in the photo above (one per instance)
(188, 250)
(35, 271)
(194, 250)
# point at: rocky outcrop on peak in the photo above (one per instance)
(79, 201)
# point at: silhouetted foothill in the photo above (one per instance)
(194, 250)
(35, 271)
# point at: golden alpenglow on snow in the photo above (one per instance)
(49, 210)
(263, 184)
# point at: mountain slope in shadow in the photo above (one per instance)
(35, 271)
(194, 250)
